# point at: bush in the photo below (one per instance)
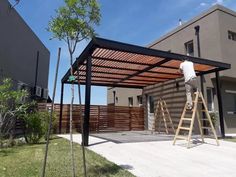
(36, 126)
(45, 122)
(11, 105)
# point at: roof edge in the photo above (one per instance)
(193, 20)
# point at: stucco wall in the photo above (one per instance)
(122, 94)
(228, 47)
(214, 45)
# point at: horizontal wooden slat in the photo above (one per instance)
(102, 118)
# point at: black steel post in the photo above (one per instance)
(220, 105)
(61, 107)
(87, 101)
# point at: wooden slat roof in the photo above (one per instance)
(117, 64)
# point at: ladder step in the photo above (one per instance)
(186, 118)
(184, 128)
(206, 127)
(189, 110)
(205, 119)
(197, 102)
(182, 137)
(203, 110)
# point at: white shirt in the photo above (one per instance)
(188, 70)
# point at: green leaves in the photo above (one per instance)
(10, 98)
(11, 107)
(75, 20)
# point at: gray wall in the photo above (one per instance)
(228, 99)
(174, 97)
(18, 49)
(215, 45)
(227, 21)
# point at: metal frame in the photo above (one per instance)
(87, 101)
(218, 91)
(87, 55)
(118, 46)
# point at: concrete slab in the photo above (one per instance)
(162, 159)
(133, 136)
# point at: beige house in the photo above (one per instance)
(212, 35)
(124, 97)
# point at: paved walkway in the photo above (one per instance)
(162, 159)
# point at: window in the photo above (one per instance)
(231, 35)
(210, 100)
(140, 100)
(130, 101)
(189, 49)
(151, 104)
(230, 99)
(114, 96)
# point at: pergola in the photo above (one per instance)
(114, 64)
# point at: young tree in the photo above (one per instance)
(74, 22)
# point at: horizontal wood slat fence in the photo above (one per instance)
(102, 118)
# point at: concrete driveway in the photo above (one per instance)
(162, 159)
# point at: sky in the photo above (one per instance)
(138, 22)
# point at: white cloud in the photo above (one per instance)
(218, 2)
(203, 4)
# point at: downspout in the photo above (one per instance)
(36, 70)
(197, 33)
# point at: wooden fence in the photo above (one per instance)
(102, 118)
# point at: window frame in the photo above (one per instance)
(149, 104)
(140, 100)
(186, 44)
(232, 92)
(212, 99)
(130, 101)
(231, 35)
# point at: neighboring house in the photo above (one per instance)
(124, 97)
(23, 57)
(216, 29)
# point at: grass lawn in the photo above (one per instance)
(26, 161)
(231, 139)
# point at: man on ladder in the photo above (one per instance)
(187, 68)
